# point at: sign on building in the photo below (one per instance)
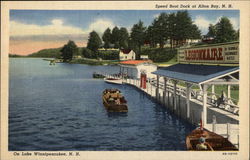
(217, 53)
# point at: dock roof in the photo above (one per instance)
(199, 74)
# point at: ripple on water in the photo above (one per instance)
(61, 108)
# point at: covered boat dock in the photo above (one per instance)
(203, 76)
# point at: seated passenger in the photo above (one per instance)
(201, 145)
(117, 101)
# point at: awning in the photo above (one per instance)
(200, 74)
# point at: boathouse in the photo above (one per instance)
(138, 69)
(202, 67)
(126, 54)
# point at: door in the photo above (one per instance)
(143, 81)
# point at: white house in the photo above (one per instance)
(135, 68)
(126, 54)
(144, 57)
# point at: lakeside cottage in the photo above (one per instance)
(126, 54)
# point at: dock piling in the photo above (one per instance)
(214, 124)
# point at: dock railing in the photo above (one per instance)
(226, 104)
(230, 131)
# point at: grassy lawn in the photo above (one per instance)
(168, 63)
(93, 61)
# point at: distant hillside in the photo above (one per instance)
(50, 53)
(47, 53)
(15, 55)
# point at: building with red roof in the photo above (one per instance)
(135, 68)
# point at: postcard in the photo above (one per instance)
(124, 80)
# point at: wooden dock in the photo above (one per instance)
(175, 101)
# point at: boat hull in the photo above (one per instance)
(95, 75)
(112, 106)
(215, 141)
(113, 80)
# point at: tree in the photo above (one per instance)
(69, 50)
(160, 28)
(123, 38)
(115, 36)
(237, 36)
(150, 36)
(183, 27)
(158, 31)
(138, 35)
(87, 53)
(172, 28)
(225, 31)
(94, 41)
(195, 33)
(107, 38)
(211, 31)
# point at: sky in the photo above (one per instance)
(33, 30)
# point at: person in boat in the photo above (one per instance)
(117, 101)
(202, 145)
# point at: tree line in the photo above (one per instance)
(167, 28)
(222, 31)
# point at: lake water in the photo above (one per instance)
(60, 108)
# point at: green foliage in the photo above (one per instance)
(123, 38)
(211, 31)
(47, 53)
(69, 50)
(225, 31)
(109, 55)
(160, 54)
(104, 54)
(194, 32)
(107, 38)
(138, 36)
(16, 55)
(93, 61)
(87, 53)
(175, 27)
(116, 37)
(94, 41)
(158, 31)
(86, 61)
(119, 38)
(237, 35)
(184, 28)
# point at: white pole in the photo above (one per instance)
(165, 90)
(204, 120)
(212, 89)
(157, 87)
(147, 85)
(175, 82)
(188, 97)
(151, 88)
(214, 124)
(229, 91)
(228, 131)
